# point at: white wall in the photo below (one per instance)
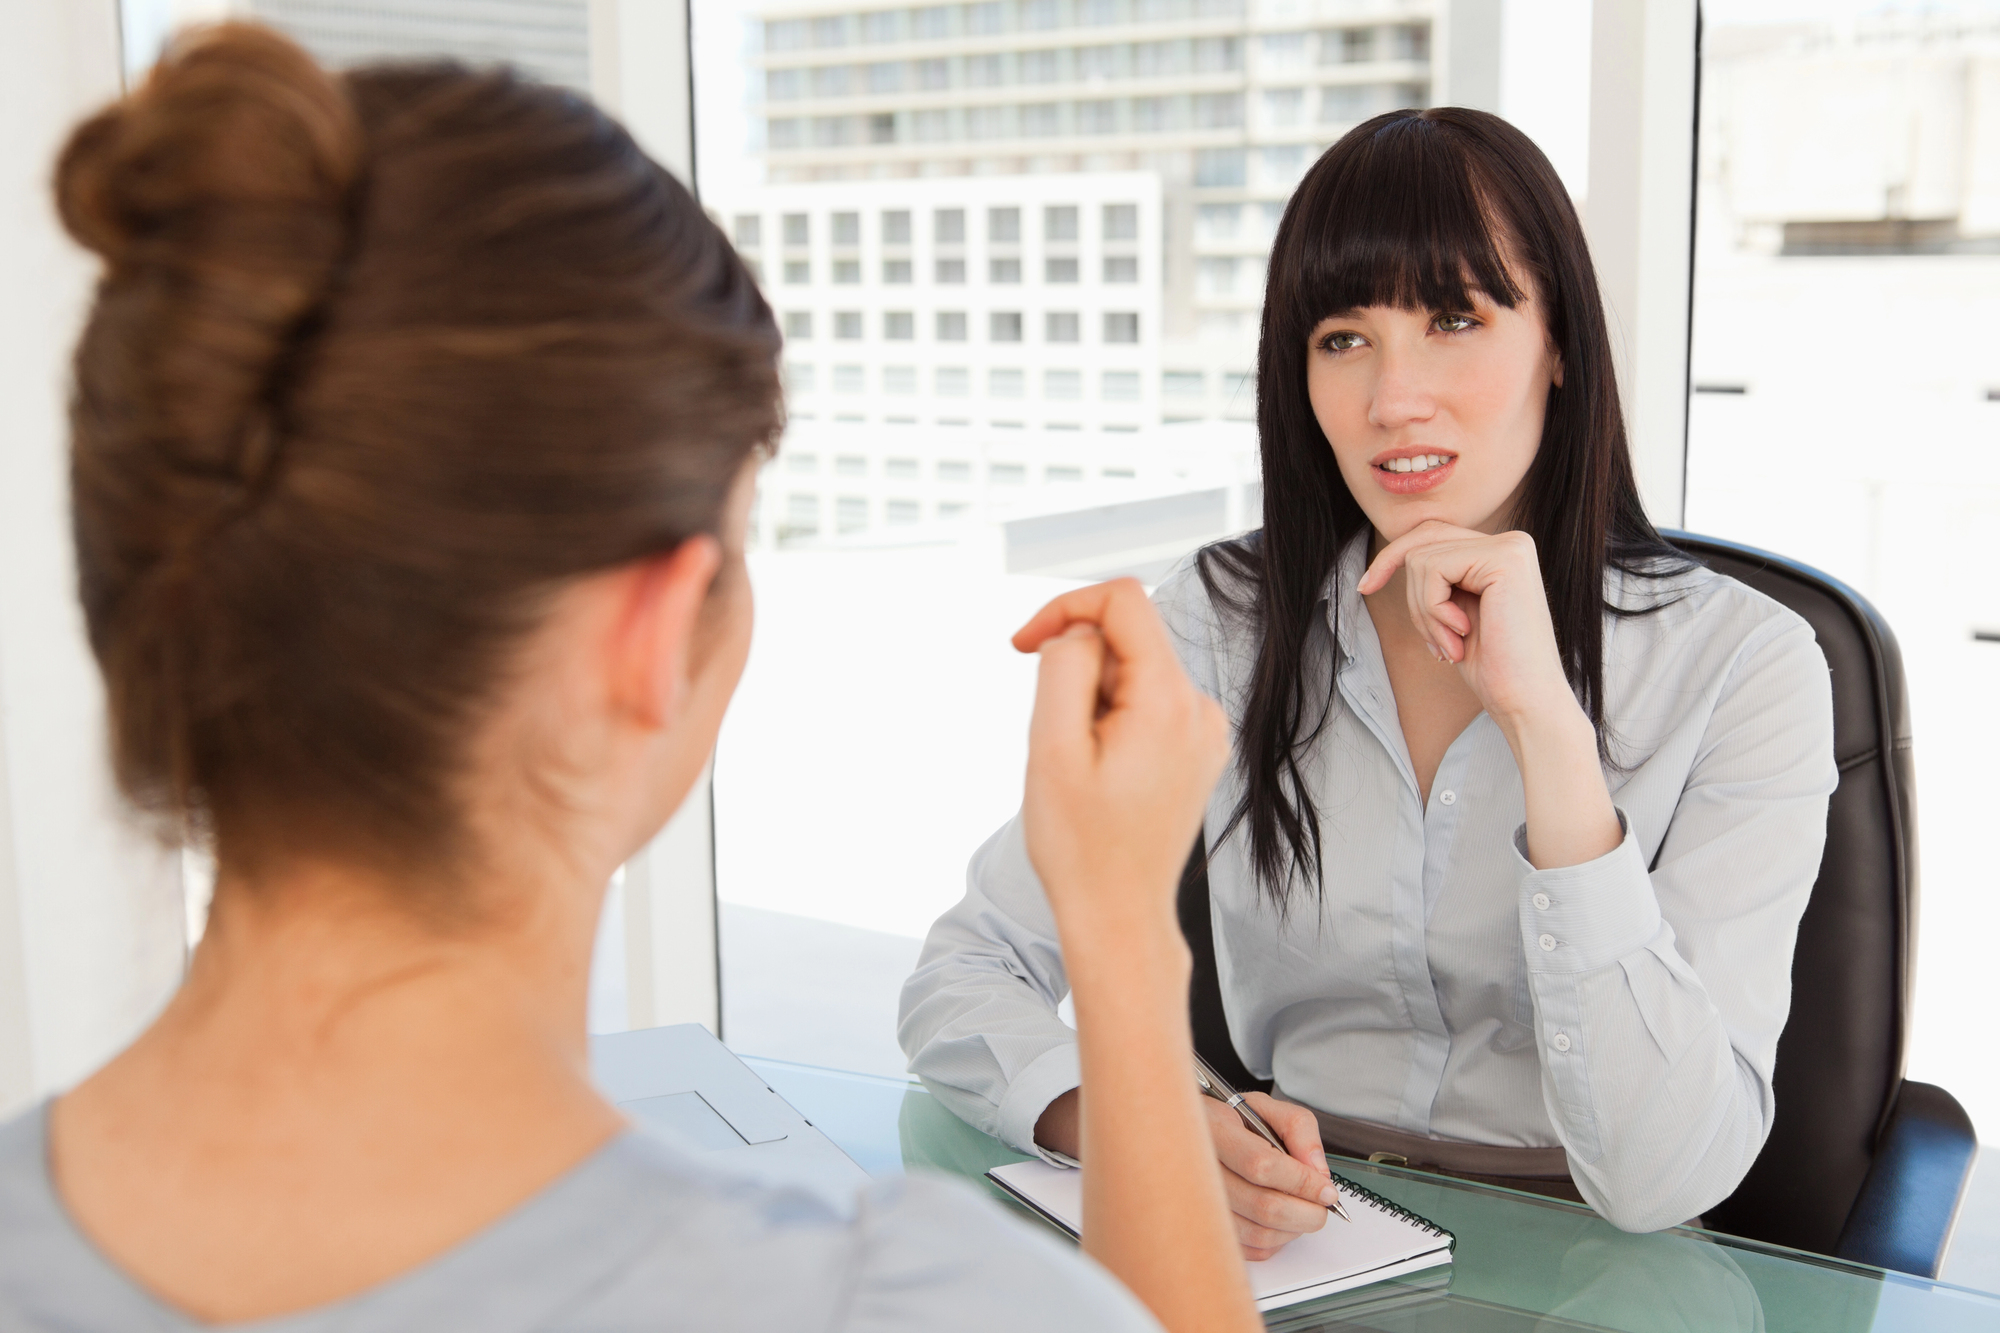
(91, 924)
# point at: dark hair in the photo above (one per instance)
(1408, 210)
(377, 363)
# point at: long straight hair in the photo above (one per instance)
(1410, 210)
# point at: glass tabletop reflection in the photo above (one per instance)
(1522, 1262)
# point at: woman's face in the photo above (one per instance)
(1433, 414)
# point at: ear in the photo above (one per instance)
(652, 641)
(1556, 372)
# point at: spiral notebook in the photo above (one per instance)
(1383, 1241)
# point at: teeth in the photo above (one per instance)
(1421, 463)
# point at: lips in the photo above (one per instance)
(1411, 472)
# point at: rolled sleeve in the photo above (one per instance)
(1582, 917)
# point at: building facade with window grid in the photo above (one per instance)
(1225, 101)
(954, 345)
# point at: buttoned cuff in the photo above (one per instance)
(1583, 917)
(1049, 1076)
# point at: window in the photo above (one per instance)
(1005, 271)
(1059, 269)
(1004, 326)
(1120, 386)
(802, 515)
(798, 325)
(1121, 268)
(1062, 385)
(850, 513)
(1059, 222)
(900, 512)
(899, 381)
(899, 325)
(950, 509)
(850, 465)
(798, 229)
(933, 75)
(952, 381)
(951, 326)
(1183, 384)
(950, 272)
(1060, 472)
(1003, 226)
(1282, 51)
(847, 324)
(749, 231)
(901, 469)
(804, 465)
(797, 272)
(1007, 474)
(798, 377)
(880, 26)
(847, 272)
(1285, 107)
(1221, 167)
(931, 22)
(784, 133)
(896, 272)
(1061, 326)
(1121, 327)
(896, 227)
(850, 379)
(847, 229)
(953, 470)
(1217, 222)
(1006, 382)
(1121, 222)
(1346, 46)
(948, 226)
(1096, 117)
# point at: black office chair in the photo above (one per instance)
(1862, 1163)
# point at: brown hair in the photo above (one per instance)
(376, 363)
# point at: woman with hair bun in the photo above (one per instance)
(414, 433)
(1525, 807)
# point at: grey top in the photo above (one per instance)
(642, 1235)
(1626, 1010)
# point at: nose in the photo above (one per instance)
(1403, 391)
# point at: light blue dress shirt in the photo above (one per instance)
(1626, 1009)
(642, 1235)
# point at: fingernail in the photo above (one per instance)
(1329, 1196)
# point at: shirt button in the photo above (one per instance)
(1548, 943)
(1448, 797)
(1541, 901)
(1561, 1042)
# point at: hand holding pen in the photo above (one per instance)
(1274, 1169)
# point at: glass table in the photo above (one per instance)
(1523, 1262)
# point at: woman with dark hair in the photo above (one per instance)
(1525, 807)
(415, 427)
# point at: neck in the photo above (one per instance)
(318, 988)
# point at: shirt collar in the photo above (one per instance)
(1342, 593)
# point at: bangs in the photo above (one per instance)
(1402, 222)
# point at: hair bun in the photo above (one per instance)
(235, 125)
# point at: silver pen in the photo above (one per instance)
(1214, 1085)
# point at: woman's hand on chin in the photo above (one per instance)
(1478, 600)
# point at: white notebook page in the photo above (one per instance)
(1340, 1255)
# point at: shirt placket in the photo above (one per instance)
(1374, 704)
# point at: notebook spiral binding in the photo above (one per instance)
(1394, 1209)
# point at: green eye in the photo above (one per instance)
(1340, 342)
(1452, 323)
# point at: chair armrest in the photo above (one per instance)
(1908, 1203)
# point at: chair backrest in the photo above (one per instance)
(1840, 1060)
